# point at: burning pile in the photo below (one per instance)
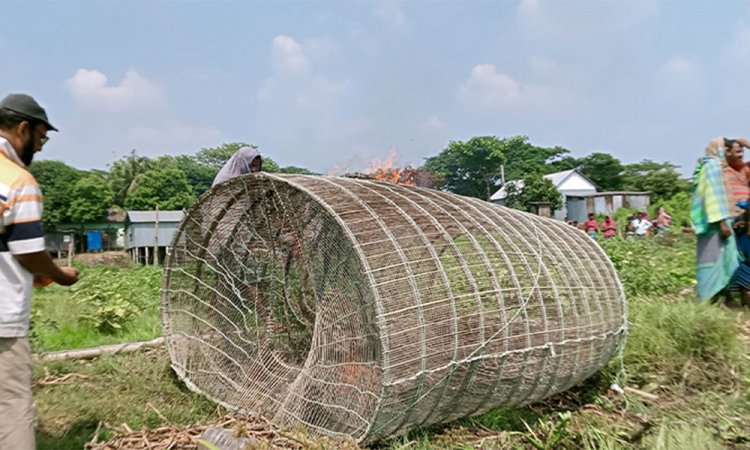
(387, 171)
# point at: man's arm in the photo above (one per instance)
(41, 263)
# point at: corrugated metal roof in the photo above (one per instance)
(150, 216)
(556, 178)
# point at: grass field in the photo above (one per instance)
(690, 360)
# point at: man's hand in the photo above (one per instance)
(739, 224)
(743, 142)
(41, 263)
(71, 274)
(725, 230)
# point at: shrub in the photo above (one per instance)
(113, 297)
(658, 266)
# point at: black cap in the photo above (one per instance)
(26, 106)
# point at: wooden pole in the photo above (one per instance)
(156, 238)
(88, 353)
(71, 248)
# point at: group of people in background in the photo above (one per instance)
(719, 212)
(638, 224)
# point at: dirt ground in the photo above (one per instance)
(113, 258)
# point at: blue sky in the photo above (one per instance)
(337, 84)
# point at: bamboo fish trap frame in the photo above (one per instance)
(364, 309)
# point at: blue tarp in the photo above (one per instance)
(94, 240)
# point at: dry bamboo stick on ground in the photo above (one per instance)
(89, 353)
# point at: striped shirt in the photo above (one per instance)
(738, 187)
(20, 233)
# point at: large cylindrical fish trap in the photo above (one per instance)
(364, 308)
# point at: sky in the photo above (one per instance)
(334, 85)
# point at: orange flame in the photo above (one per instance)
(385, 171)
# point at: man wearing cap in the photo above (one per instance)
(23, 131)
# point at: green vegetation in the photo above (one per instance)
(108, 306)
(655, 267)
(689, 359)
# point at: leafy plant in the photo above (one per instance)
(113, 300)
(111, 311)
(665, 265)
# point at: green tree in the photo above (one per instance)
(604, 170)
(92, 197)
(474, 167)
(199, 176)
(217, 156)
(56, 179)
(523, 158)
(533, 188)
(561, 163)
(270, 165)
(469, 168)
(661, 179)
(295, 170)
(125, 173)
(168, 188)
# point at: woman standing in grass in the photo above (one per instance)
(717, 256)
(609, 227)
(591, 226)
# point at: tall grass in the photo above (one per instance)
(667, 338)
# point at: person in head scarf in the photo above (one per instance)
(711, 214)
(609, 227)
(245, 160)
(591, 226)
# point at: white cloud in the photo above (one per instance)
(680, 81)
(305, 91)
(134, 114)
(554, 19)
(289, 57)
(433, 123)
(392, 14)
(488, 89)
(89, 88)
(677, 69)
(320, 47)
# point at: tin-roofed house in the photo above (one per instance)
(148, 234)
(580, 196)
(570, 183)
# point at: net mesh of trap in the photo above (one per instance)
(364, 309)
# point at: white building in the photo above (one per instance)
(570, 183)
(579, 196)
